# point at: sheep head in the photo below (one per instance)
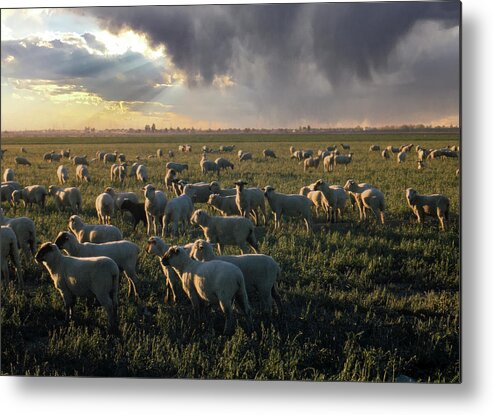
(64, 238)
(174, 256)
(199, 217)
(267, 190)
(350, 185)
(410, 195)
(45, 252)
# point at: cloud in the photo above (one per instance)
(93, 43)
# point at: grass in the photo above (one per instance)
(362, 302)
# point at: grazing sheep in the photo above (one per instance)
(385, 154)
(133, 170)
(215, 282)
(259, 271)
(105, 208)
(24, 230)
(423, 154)
(209, 166)
(141, 174)
(55, 157)
(406, 148)
(346, 146)
(177, 210)
(122, 158)
(14, 185)
(336, 198)
(436, 206)
(65, 153)
(155, 205)
(200, 192)
(21, 161)
(159, 153)
(178, 167)
(78, 160)
(68, 197)
(124, 253)
(47, 156)
(97, 234)
(311, 162)
(332, 148)
(29, 195)
(231, 230)
(119, 197)
(8, 175)
(23, 150)
(421, 165)
(9, 249)
(62, 174)
(245, 156)
(392, 149)
(369, 199)
(374, 147)
(110, 157)
(401, 157)
(319, 202)
(227, 149)
(82, 277)
(171, 154)
(250, 201)
(306, 189)
(343, 160)
(170, 177)
(6, 193)
(269, 153)
(226, 205)
(454, 148)
(223, 163)
(82, 173)
(137, 210)
(289, 205)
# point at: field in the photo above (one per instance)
(362, 302)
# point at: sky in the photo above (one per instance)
(220, 66)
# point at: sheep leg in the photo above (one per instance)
(149, 223)
(229, 323)
(131, 278)
(107, 303)
(68, 300)
(277, 298)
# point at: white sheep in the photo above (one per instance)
(269, 153)
(250, 201)
(47, 156)
(62, 174)
(55, 157)
(369, 199)
(6, 191)
(319, 202)
(29, 195)
(82, 277)
(200, 192)
(105, 208)
(171, 175)
(245, 156)
(8, 175)
(226, 205)
(215, 282)
(311, 162)
(155, 205)
(65, 153)
(227, 149)
(385, 154)
(346, 146)
(141, 174)
(343, 160)
(178, 210)
(110, 157)
(392, 149)
(171, 154)
(178, 167)
(66, 197)
(82, 173)
(401, 156)
(329, 162)
(260, 272)
(289, 205)
(207, 166)
(22, 161)
(230, 230)
(436, 206)
(124, 253)
(9, 249)
(23, 150)
(93, 233)
(336, 198)
(24, 230)
(77, 160)
(224, 164)
(119, 197)
(374, 147)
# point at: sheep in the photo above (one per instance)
(231, 230)
(120, 173)
(224, 204)
(55, 157)
(155, 205)
(311, 162)
(371, 199)
(21, 161)
(306, 189)
(97, 234)
(223, 163)
(124, 253)
(345, 146)
(406, 148)
(47, 156)
(374, 147)
(209, 166)
(216, 282)
(110, 157)
(159, 153)
(82, 173)
(421, 165)
(65, 153)
(260, 272)
(29, 195)
(385, 154)
(178, 167)
(14, 185)
(319, 202)
(78, 160)
(446, 153)
(298, 155)
(141, 174)
(23, 150)
(133, 170)
(392, 149)
(436, 206)
(250, 201)
(289, 205)
(171, 154)
(137, 210)
(62, 174)
(9, 248)
(332, 148)
(454, 148)
(105, 208)
(269, 153)
(336, 199)
(24, 230)
(401, 156)
(6, 193)
(119, 197)
(82, 277)
(122, 158)
(200, 192)
(169, 178)
(227, 149)
(423, 154)
(68, 197)
(329, 162)
(177, 210)
(100, 155)
(8, 175)
(457, 172)
(246, 156)
(179, 186)
(343, 160)
(215, 188)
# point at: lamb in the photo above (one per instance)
(55, 157)
(137, 210)
(110, 157)
(78, 160)
(209, 166)
(371, 199)
(336, 198)
(289, 205)
(269, 153)
(216, 282)
(392, 149)
(22, 161)
(29, 195)
(436, 206)
(343, 160)
(319, 202)
(62, 174)
(82, 277)
(200, 192)
(260, 272)
(105, 208)
(6, 193)
(311, 162)
(155, 205)
(374, 147)
(231, 230)
(119, 197)
(329, 162)
(177, 210)
(298, 155)
(8, 175)
(171, 175)
(9, 248)
(246, 156)
(82, 173)
(401, 157)
(227, 149)
(178, 167)
(226, 205)
(346, 146)
(250, 201)
(65, 153)
(306, 189)
(24, 230)
(133, 170)
(68, 197)
(423, 154)
(122, 158)
(223, 163)
(93, 233)
(141, 174)
(47, 156)
(124, 253)
(385, 154)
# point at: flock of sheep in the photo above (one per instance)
(95, 254)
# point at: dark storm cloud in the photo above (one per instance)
(93, 43)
